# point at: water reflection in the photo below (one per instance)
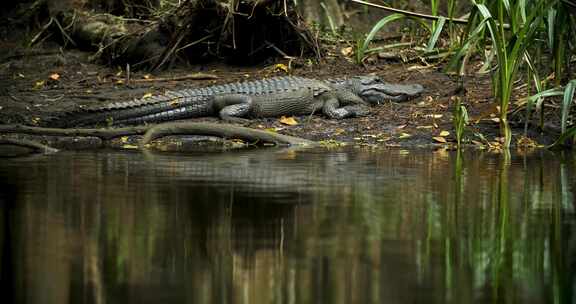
(288, 226)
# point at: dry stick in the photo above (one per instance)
(100, 133)
(408, 13)
(418, 15)
(28, 144)
(221, 130)
(196, 76)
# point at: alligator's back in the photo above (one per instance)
(181, 104)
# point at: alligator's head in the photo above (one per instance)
(375, 91)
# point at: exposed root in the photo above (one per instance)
(105, 134)
(221, 130)
(27, 144)
(152, 132)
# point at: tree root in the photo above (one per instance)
(28, 144)
(152, 132)
(221, 130)
(105, 134)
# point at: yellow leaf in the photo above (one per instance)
(271, 130)
(147, 95)
(129, 147)
(444, 133)
(404, 135)
(435, 116)
(119, 81)
(339, 131)
(439, 139)
(124, 139)
(290, 121)
(174, 102)
(39, 84)
(424, 127)
(281, 67)
(147, 76)
(54, 76)
(347, 51)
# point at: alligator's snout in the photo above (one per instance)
(382, 92)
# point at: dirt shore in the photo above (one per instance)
(37, 82)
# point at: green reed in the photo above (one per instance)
(460, 120)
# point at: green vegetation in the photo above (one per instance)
(460, 120)
(517, 40)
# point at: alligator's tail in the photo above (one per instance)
(169, 106)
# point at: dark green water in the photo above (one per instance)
(288, 226)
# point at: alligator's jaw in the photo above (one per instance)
(380, 92)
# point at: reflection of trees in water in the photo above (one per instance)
(362, 227)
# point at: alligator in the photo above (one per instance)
(273, 97)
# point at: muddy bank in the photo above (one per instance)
(38, 82)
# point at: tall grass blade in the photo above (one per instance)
(567, 103)
(538, 84)
(436, 34)
(363, 46)
(570, 133)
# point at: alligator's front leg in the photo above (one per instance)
(232, 107)
(342, 105)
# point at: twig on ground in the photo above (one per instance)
(196, 76)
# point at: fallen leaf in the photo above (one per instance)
(347, 51)
(147, 76)
(404, 135)
(271, 130)
(54, 76)
(281, 67)
(147, 95)
(424, 127)
(124, 139)
(39, 84)
(174, 102)
(129, 147)
(339, 131)
(290, 121)
(444, 133)
(439, 139)
(119, 81)
(401, 127)
(21, 75)
(495, 119)
(435, 116)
